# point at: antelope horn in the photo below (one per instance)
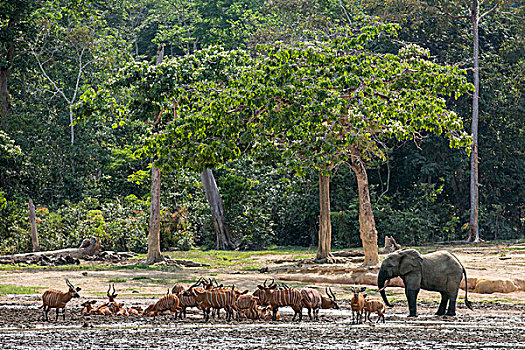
(114, 291)
(196, 283)
(264, 284)
(386, 285)
(273, 283)
(69, 284)
(332, 293)
(109, 289)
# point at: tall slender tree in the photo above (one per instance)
(154, 253)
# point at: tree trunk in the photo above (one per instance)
(4, 97)
(4, 76)
(224, 238)
(34, 232)
(474, 185)
(154, 254)
(325, 226)
(367, 225)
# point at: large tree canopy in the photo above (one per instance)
(315, 104)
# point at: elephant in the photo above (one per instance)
(440, 271)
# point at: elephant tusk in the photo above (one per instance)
(386, 285)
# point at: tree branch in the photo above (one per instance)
(59, 90)
(450, 15)
(488, 12)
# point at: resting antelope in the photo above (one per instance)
(314, 300)
(358, 304)
(277, 297)
(87, 307)
(247, 304)
(109, 307)
(168, 302)
(135, 310)
(58, 300)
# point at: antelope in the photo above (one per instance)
(167, 302)
(88, 307)
(314, 300)
(276, 298)
(357, 304)
(185, 302)
(179, 288)
(375, 305)
(247, 304)
(267, 314)
(215, 298)
(56, 299)
(117, 309)
(135, 310)
(102, 309)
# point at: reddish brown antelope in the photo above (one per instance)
(56, 299)
(215, 298)
(87, 307)
(135, 310)
(179, 288)
(314, 300)
(247, 305)
(358, 304)
(375, 305)
(168, 302)
(109, 305)
(277, 297)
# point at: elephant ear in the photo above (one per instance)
(410, 261)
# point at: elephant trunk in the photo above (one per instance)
(381, 278)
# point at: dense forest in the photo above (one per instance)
(95, 92)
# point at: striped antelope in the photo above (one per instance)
(179, 288)
(58, 300)
(277, 297)
(168, 302)
(216, 298)
(247, 304)
(187, 301)
(314, 300)
(267, 314)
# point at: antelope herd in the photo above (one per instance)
(210, 297)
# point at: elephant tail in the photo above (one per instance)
(467, 302)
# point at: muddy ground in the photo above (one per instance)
(489, 326)
(497, 321)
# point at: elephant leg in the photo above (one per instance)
(442, 304)
(452, 305)
(412, 301)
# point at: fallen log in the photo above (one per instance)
(88, 248)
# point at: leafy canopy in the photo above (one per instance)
(314, 103)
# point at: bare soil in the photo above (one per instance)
(497, 321)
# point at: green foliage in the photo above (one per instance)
(282, 103)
